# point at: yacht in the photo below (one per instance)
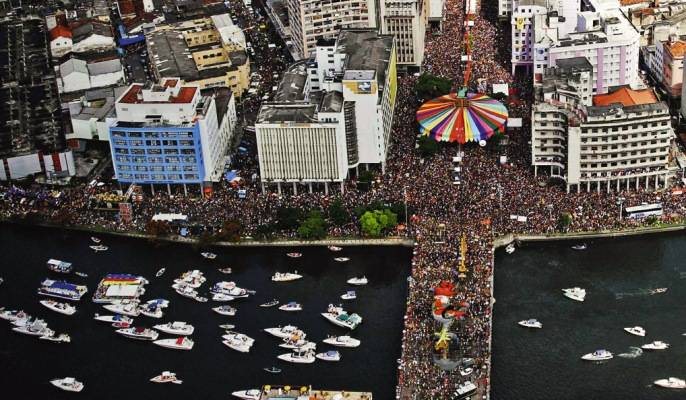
(229, 289)
(180, 343)
(59, 266)
(95, 240)
(227, 326)
(160, 273)
(176, 328)
(13, 315)
(598, 355)
(575, 293)
(283, 332)
(238, 341)
(130, 308)
(510, 248)
(294, 255)
(349, 295)
(530, 323)
(341, 259)
(270, 303)
(166, 377)
(335, 248)
(581, 246)
(139, 333)
(656, 345)
(342, 341)
(208, 255)
(61, 338)
(34, 328)
(222, 297)
(62, 308)
(67, 384)
(186, 291)
(272, 370)
(226, 270)
(298, 344)
(99, 248)
(115, 319)
(286, 276)
(358, 281)
(81, 274)
(62, 290)
(636, 330)
(465, 388)
(331, 355)
(152, 311)
(298, 357)
(338, 316)
(225, 310)
(250, 394)
(291, 306)
(671, 383)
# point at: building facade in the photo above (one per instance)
(406, 20)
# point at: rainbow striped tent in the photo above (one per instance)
(452, 118)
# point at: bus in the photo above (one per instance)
(644, 210)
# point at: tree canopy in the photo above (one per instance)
(374, 223)
(430, 86)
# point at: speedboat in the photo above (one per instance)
(349, 295)
(298, 344)
(67, 384)
(358, 281)
(294, 255)
(270, 303)
(298, 357)
(152, 311)
(272, 370)
(95, 240)
(335, 248)
(656, 345)
(62, 290)
(131, 308)
(465, 388)
(222, 297)
(226, 270)
(291, 306)
(99, 248)
(331, 355)
(122, 320)
(598, 355)
(139, 333)
(176, 328)
(62, 308)
(180, 343)
(671, 383)
(227, 326)
(35, 328)
(341, 259)
(200, 299)
(225, 310)
(59, 266)
(160, 273)
(636, 330)
(658, 290)
(229, 289)
(166, 377)
(250, 394)
(208, 255)
(283, 332)
(338, 316)
(286, 276)
(530, 323)
(61, 338)
(575, 293)
(81, 274)
(13, 315)
(186, 291)
(238, 341)
(342, 341)
(510, 248)
(581, 246)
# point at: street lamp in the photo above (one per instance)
(620, 201)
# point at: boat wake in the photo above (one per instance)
(637, 293)
(634, 352)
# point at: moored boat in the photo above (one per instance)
(298, 357)
(338, 316)
(238, 341)
(291, 306)
(62, 290)
(575, 293)
(335, 248)
(99, 248)
(160, 272)
(598, 355)
(342, 341)
(208, 255)
(225, 271)
(580, 246)
(34, 328)
(331, 355)
(294, 255)
(62, 267)
(341, 259)
(656, 345)
(61, 338)
(225, 310)
(13, 315)
(125, 308)
(358, 281)
(95, 240)
(671, 383)
(272, 370)
(272, 303)
(81, 274)
(62, 308)
(283, 332)
(151, 310)
(123, 321)
(286, 276)
(139, 333)
(636, 330)
(658, 290)
(176, 328)
(349, 295)
(227, 326)
(180, 343)
(166, 377)
(67, 384)
(530, 323)
(510, 248)
(250, 394)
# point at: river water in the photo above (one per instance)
(617, 274)
(114, 367)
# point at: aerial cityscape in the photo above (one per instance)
(350, 199)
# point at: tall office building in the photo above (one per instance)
(406, 20)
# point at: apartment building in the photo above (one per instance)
(406, 20)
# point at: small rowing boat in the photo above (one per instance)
(272, 370)
(160, 272)
(294, 255)
(270, 303)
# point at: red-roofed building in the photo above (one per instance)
(626, 97)
(60, 41)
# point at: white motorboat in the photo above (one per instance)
(200, 299)
(331, 355)
(286, 276)
(294, 255)
(250, 394)
(671, 383)
(298, 344)
(465, 388)
(95, 240)
(62, 290)
(291, 306)
(139, 333)
(160, 272)
(186, 291)
(81, 274)
(226, 270)
(581, 246)
(59, 266)
(656, 345)
(338, 316)
(238, 341)
(222, 297)
(272, 370)
(530, 323)
(342, 341)
(335, 248)
(208, 255)
(349, 295)
(227, 326)
(298, 357)
(575, 293)
(151, 311)
(268, 304)
(341, 259)
(510, 248)
(225, 310)
(35, 328)
(358, 281)
(131, 308)
(180, 283)
(62, 308)
(99, 248)
(598, 355)
(23, 320)
(166, 377)
(658, 290)
(13, 315)
(283, 332)
(176, 328)
(67, 384)
(61, 338)
(636, 330)
(115, 319)
(180, 343)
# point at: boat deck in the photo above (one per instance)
(304, 393)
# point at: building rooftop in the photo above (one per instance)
(88, 29)
(331, 102)
(626, 97)
(292, 85)
(676, 49)
(365, 50)
(171, 54)
(135, 95)
(60, 31)
(574, 64)
(287, 113)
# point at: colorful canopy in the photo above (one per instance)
(451, 118)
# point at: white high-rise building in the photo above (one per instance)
(406, 20)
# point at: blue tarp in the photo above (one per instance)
(126, 40)
(231, 175)
(184, 232)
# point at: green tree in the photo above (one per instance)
(264, 232)
(564, 221)
(313, 227)
(231, 231)
(157, 228)
(288, 218)
(427, 146)
(337, 213)
(430, 86)
(370, 225)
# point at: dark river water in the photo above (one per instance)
(114, 367)
(617, 274)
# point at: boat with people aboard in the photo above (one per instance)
(250, 394)
(298, 344)
(122, 321)
(349, 295)
(226, 270)
(62, 290)
(166, 377)
(151, 310)
(62, 308)
(36, 327)
(160, 272)
(129, 308)
(176, 328)
(208, 255)
(341, 259)
(291, 306)
(185, 290)
(200, 299)
(268, 304)
(530, 323)
(656, 345)
(222, 297)
(342, 341)
(238, 341)
(67, 384)
(99, 248)
(283, 332)
(139, 333)
(465, 388)
(575, 293)
(23, 320)
(335, 248)
(331, 355)
(193, 278)
(671, 383)
(13, 315)
(286, 276)
(636, 330)
(95, 240)
(298, 357)
(598, 355)
(119, 287)
(62, 267)
(580, 246)
(229, 289)
(358, 281)
(294, 255)
(180, 343)
(338, 316)
(272, 370)
(61, 338)
(225, 310)
(658, 290)
(510, 248)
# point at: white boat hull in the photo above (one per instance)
(349, 343)
(297, 360)
(171, 344)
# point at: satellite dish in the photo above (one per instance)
(482, 143)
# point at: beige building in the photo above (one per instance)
(406, 20)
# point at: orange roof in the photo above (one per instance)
(626, 97)
(59, 31)
(630, 2)
(186, 94)
(676, 49)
